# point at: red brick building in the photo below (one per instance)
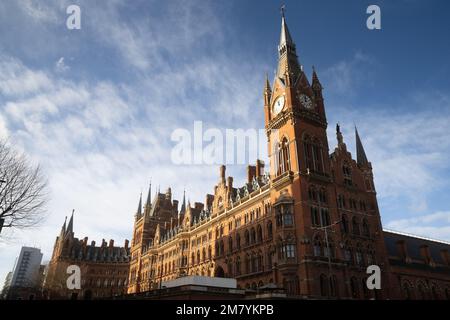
(310, 225)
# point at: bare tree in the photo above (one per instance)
(23, 194)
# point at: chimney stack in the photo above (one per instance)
(251, 172)
(222, 173)
(259, 168)
(230, 183)
(111, 243)
(126, 243)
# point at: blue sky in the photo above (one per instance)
(96, 107)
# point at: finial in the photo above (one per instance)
(282, 9)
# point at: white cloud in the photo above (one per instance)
(60, 65)
(435, 225)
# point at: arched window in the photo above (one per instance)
(284, 162)
(222, 247)
(365, 227)
(253, 235)
(247, 237)
(230, 244)
(209, 252)
(238, 241)
(269, 229)
(198, 256)
(313, 155)
(323, 285)
(344, 221)
(259, 234)
(247, 263)
(203, 254)
(315, 219)
(355, 226)
(192, 258)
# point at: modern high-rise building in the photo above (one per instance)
(26, 276)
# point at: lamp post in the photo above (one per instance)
(325, 228)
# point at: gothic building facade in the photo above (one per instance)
(104, 269)
(310, 224)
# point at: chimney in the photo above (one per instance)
(111, 243)
(222, 173)
(230, 183)
(209, 201)
(199, 206)
(126, 243)
(251, 172)
(92, 243)
(85, 240)
(259, 168)
(103, 243)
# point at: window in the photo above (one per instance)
(315, 216)
(259, 234)
(247, 237)
(317, 246)
(341, 201)
(238, 265)
(313, 155)
(344, 222)
(238, 241)
(269, 229)
(355, 226)
(365, 228)
(284, 164)
(289, 251)
(253, 236)
(230, 244)
(347, 175)
(325, 217)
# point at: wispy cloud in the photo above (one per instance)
(435, 225)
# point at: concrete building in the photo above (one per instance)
(26, 277)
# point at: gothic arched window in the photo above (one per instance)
(284, 161)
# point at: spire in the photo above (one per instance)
(361, 157)
(287, 56)
(148, 203)
(139, 210)
(316, 85)
(63, 228)
(183, 206)
(267, 88)
(285, 36)
(70, 225)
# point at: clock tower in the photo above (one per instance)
(294, 111)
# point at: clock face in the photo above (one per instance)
(278, 105)
(306, 101)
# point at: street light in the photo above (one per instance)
(325, 228)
